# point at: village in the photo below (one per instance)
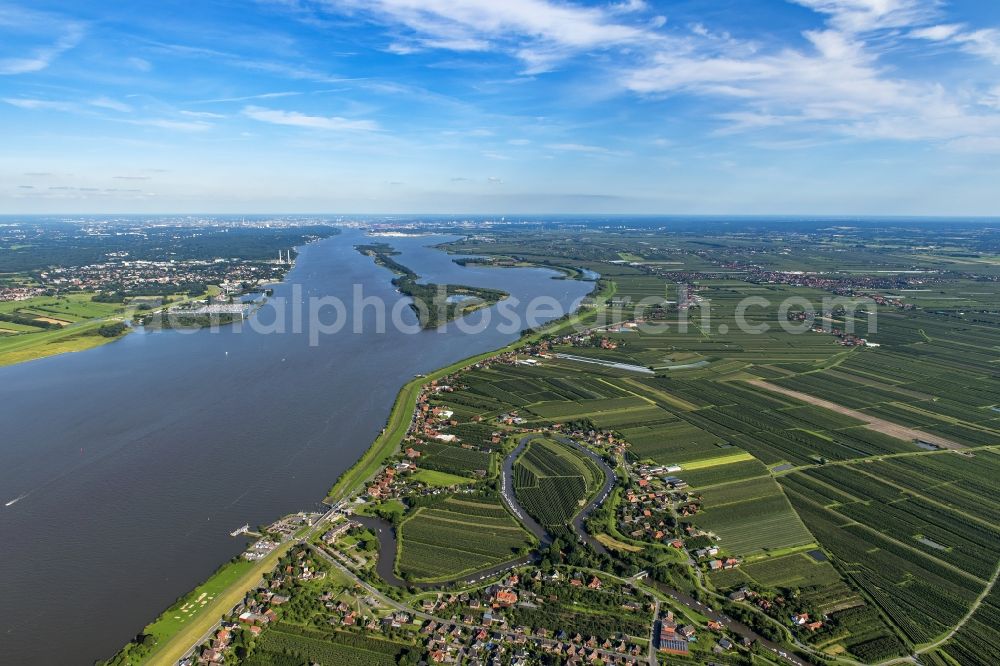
(159, 278)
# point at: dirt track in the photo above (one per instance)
(872, 422)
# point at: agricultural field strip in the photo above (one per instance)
(770, 524)
(481, 521)
(551, 481)
(880, 383)
(741, 456)
(909, 490)
(666, 397)
(888, 537)
(873, 423)
(968, 616)
(929, 500)
(891, 598)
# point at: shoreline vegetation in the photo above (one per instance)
(434, 304)
(182, 320)
(165, 639)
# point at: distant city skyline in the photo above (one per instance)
(811, 107)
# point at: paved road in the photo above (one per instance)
(322, 520)
(387, 552)
(653, 638)
(388, 544)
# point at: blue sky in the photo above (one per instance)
(501, 106)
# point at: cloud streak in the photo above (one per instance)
(538, 32)
(16, 22)
(296, 119)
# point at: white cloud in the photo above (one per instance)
(108, 103)
(140, 64)
(246, 98)
(39, 25)
(68, 107)
(936, 33)
(176, 125)
(628, 6)
(540, 32)
(479, 132)
(39, 104)
(984, 43)
(857, 16)
(580, 148)
(976, 145)
(202, 114)
(296, 119)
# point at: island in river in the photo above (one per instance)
(434, 304)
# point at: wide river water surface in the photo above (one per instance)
(131, 463)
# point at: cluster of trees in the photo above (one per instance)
(26, 320)
(112, 330)
(179, 320)
(566, 549)
(601, 616)
(132, 653)
(756, 621)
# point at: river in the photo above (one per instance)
(133, 461)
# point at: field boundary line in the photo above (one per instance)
(871, 422)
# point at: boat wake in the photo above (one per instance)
(16, 500)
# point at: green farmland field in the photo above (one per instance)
(288, 644)
(752, 517)
(456, 537)
(553, 481)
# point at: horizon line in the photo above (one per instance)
(745, 216)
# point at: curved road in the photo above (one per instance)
(386, 562)
(510, 498)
